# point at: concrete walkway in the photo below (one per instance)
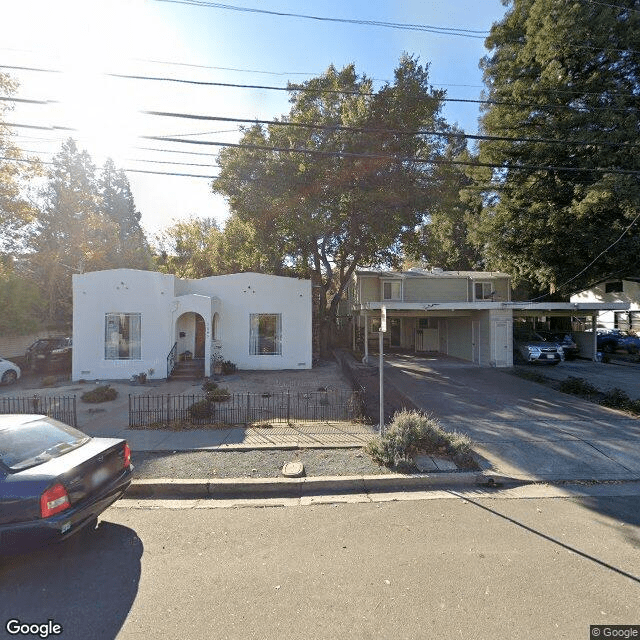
(521, 429)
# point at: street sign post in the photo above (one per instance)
(383, 328)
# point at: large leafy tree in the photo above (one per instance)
(443, 238)
(563, 78)
(189, 248)
(362, 183)
(19, 296)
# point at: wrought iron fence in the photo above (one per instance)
(246, 408)
(61, 408)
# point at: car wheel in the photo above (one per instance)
(9, 377)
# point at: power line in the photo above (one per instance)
(454, 31)
(27, 100)
(613, 244)
(492, 102)
(40, 127)
(442, 134)
(380, 156)
(298, 88)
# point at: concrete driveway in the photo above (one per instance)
(521, 429)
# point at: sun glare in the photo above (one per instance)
(99, 41)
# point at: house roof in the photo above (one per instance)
(431, 273)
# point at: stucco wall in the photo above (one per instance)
(152, 295)
(243, 294)
(121, 291)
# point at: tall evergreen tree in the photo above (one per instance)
(129, 247)
(563, 81)
(70, 235)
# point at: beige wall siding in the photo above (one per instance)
(369, 290)
(409, 333)
(435, 290)
(459, 338)
(502, 289)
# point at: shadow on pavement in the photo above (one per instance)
(86, 584)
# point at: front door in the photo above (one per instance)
(395, 330)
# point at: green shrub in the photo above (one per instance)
(209, 386)
(218, 395)
(412, 431)
(618, 399)
(200, 410)
(578, 387)
(103, 393)
(49, 381)
(228, 368)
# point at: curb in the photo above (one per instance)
(299, 487)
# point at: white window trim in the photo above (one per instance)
(392, 282)
(485, 284)
(111, 347)
(254, 334)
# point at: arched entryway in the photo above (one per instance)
(191, 334)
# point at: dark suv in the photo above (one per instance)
(49, 353)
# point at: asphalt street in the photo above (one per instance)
(458, 565)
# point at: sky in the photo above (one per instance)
(86, 43)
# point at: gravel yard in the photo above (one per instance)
(256, 463)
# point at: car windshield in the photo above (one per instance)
(26, 444)
(528, 336)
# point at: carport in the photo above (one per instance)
(580, 316)
(480, 332)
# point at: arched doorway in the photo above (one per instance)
(191, 334)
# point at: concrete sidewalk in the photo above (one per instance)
(320, 435)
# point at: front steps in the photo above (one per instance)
(188, 370)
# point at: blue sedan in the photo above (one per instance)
(54, 480)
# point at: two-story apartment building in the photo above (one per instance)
(465, 314)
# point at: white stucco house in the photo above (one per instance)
(466, 314)
(615, 290)
(127, 322)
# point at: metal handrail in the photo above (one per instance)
(171, 359)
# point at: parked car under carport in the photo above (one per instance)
(530, 347)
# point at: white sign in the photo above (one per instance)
(383, 319)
